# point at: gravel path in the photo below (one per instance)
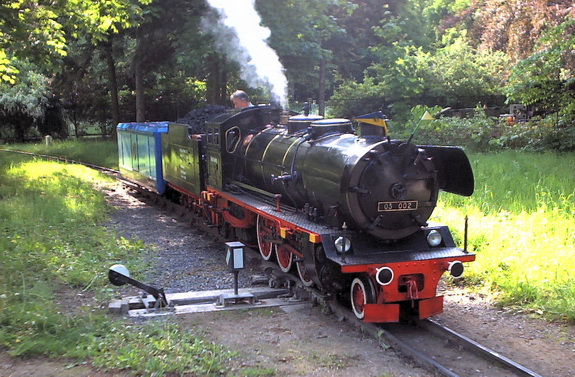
(183, 258)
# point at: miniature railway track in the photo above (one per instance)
(426, 342)
(457, 339)
(438, 348)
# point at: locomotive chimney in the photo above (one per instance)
(284, 118)
(276, 113)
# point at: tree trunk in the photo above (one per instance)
(112, 82)
(216, 82)
(321, 90)
(139, 77)
(223, 88)
(212, 87)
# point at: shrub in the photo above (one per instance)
(478, 133)
(482, 133)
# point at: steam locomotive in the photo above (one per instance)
(342, 203)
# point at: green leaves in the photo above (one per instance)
(545, 77)
(40, 31)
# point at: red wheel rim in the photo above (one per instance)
(362, 293)
(265, 230)
(303, 275)
(285, 258)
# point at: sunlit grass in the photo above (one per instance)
(53, 243)
(44, 207)
(97, 152)
(522, 227)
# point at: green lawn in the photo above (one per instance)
(53, 246)
(97, 152)
(522, 227)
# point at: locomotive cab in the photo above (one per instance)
(226, 132)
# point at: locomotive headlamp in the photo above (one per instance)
(456, 269)
(342, 244)
(434, 238)
(384, 275)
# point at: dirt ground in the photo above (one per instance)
(301, 340)
(547, 348)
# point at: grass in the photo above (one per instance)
(522, 227)
(54, 247)
(97, 152)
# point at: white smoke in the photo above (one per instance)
(244, 39)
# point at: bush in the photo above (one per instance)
(478, 133)
(540, 134)
(483, 133)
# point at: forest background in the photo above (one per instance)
(66, 66)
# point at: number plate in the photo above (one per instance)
(397, 206)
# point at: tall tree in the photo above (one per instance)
(40, 32)
(305, 40)
(547, 76)
(515, 26)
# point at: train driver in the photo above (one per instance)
(240, 99)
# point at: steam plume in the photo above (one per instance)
(239, 34)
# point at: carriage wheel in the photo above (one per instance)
(284, 257)
(265, 229)
(303, 275)
(362, 293)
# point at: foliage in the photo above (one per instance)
(30, 102)
(354, 98)
(455, 75)
(25, 100)
(312, 34)
(546, 77)
(481, 132)
(478, 133)
(552, 133)
(522, 224)
(513, 26)
(35, 38)
(365, 54)
(30, 30)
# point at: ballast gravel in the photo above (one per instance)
(182, 258)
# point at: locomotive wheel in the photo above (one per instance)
(266, 229)
(303, 275)
(362, 293)
(284, 257)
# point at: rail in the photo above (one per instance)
(398, 336)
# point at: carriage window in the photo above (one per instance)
(233, 136)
